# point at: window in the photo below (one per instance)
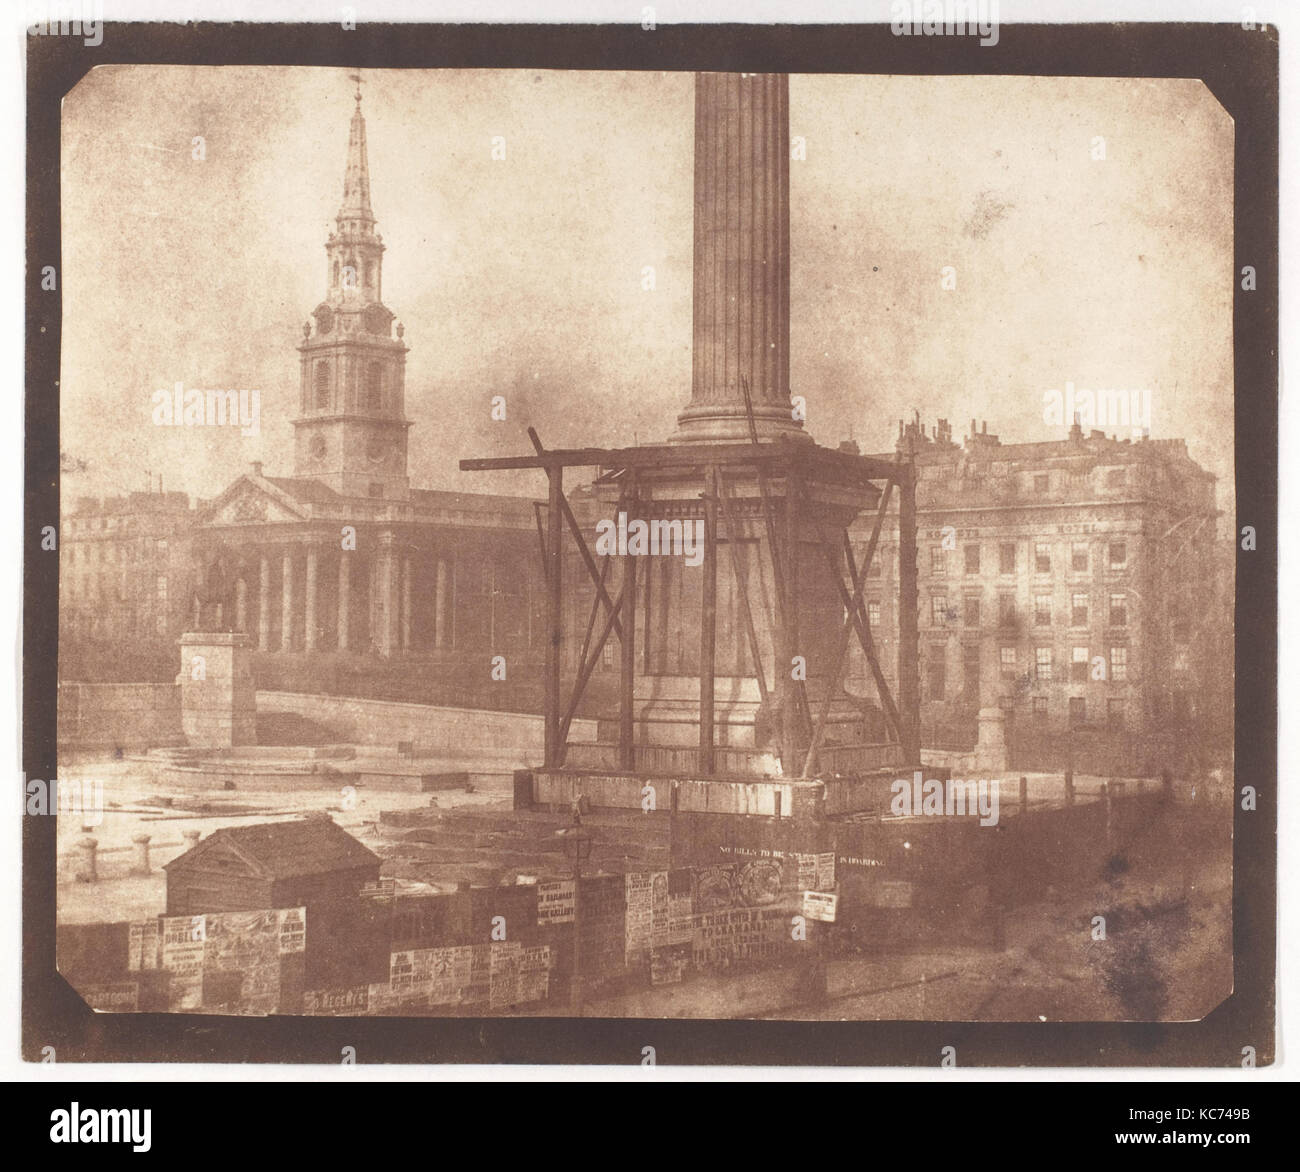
(1079, 665)
(1078, 610)
(1118, 611)
(1042, 610)
(938, 561)
(1041, 482)
(1079, 557)
(1040, 707)
(873, 570)
(972, 610)
(1043, 663)
(1007, 558)
(607, 653)
(1115, 477)
(376, 489)
(374, 386)
(1115, 713)
(934, 672)
(873, 612)
(1119, 663)
(1007, 610)
(972, 559)
(938, 609)
(1007, 662)
(1042, 557)
(1078, 710)
(322, 386)
(970, 665)
(1118, 555)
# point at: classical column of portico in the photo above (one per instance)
(441, 615)
(345, 596)
(406, 604)
(309, 603)
(386, 602)
(286, 602)
(264, 604)
(241, 604)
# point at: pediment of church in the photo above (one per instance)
(248, 503)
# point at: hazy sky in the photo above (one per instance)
(523, 277)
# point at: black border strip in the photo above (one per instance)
(1239, 66)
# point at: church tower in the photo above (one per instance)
(351, 430)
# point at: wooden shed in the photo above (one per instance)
(306, 863)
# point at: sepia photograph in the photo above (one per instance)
(650, 546)
(645, 544)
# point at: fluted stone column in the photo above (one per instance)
(441, 614)
(264, 604)
(742, 259)
(385, 587)
(309, 604)
(286, 604)
(406, 604)
(241, 604)
(345, 597)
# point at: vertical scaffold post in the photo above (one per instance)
(909, 643)
(708, 622)
(627, 672)
(553, 751)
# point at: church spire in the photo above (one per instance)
(351, 428)
(355, 208)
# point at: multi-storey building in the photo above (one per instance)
(126, 576)
(1077, 584)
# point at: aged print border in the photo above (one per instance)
(1239, 66)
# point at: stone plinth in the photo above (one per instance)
(218, 700)
(991, 748)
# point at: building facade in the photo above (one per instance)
(1077, 584)
(127, 568)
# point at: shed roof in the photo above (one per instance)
(285, 850)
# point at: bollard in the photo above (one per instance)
(1069, 788)
(1024, 795)
(141, 854)
(86, 870)
(1106, 801)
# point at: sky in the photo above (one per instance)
(524, 276)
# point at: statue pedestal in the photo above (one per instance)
(218, 700)
(991, 748)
